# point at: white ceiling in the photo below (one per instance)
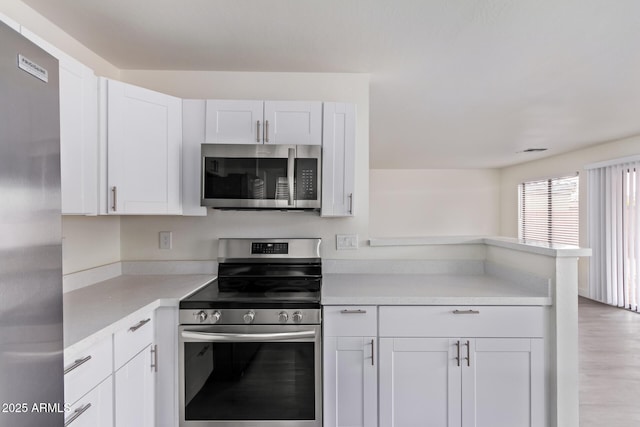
(454, 83)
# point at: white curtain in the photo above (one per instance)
(614, 220)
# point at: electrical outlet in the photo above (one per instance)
(165, 240)
(346, 242)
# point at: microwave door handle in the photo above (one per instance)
(291, 165)
(226, 337)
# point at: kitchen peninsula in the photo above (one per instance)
(520, 291)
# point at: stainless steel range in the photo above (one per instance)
(250, 342)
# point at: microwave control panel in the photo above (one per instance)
(306, 179)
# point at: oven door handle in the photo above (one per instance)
(226, 337)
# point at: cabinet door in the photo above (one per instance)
(78, 132)
(338, 159)
(420, 382)
(350, 382)
(95, 409)
(234, 122)
(193, 135)
(135, 392)
(504, 384)
(293, 122)
(144, 150)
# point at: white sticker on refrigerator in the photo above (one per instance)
(32, 68)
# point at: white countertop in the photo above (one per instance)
(429, 289)
(101, 308)
(531, 246)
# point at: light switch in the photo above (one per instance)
(346, 242)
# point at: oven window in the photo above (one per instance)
(245, 178)
(249, 381)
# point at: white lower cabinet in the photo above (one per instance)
(462, 366)
(88, 384)
(95, 409)
(350, 367)
(418, 383)
(489, 372)
(135, 392)
(135, 364)
(489, 383)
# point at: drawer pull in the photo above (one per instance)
(76, 364)
(139, 325)
(81, 410)
(466, 312)
(353, 311)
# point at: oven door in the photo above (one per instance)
(250, 376)
(261, 176)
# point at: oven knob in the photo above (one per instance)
(201, 316)
(297, 317)
(215, 316)
(283, 317)
(248, 317)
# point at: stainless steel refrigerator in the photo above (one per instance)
(31, 364)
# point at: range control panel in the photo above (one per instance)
(266, 248)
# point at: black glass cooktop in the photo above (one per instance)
(265, 285)
(211, 297)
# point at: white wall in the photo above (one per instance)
(89, 242)
(435, 202)
(559, 165)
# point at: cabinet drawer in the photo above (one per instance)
(461, 321)
(350, 321)
(131, 340)
(85, 368)
(95, 409)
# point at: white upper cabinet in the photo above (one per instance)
(293, 122)
(144, 144)
(234, 122)
(193, 125)
(78, 132)
(338, 159)
(268, 122)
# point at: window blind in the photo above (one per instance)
(549, 210)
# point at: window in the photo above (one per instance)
(549, 211)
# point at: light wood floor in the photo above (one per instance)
(609, 366)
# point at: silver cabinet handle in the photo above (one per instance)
(139, 325)
(291, 166)
(351, 203)
(353, 311)
(466, 312)
(154, 357)
(204, 173)
(266, 131)
(468, 358)
(76, 364)
(81, 410)
(258, 131)
(373, 350)
(224, 337)
(458, 352)
(114, 190)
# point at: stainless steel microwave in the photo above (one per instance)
(237, 176)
